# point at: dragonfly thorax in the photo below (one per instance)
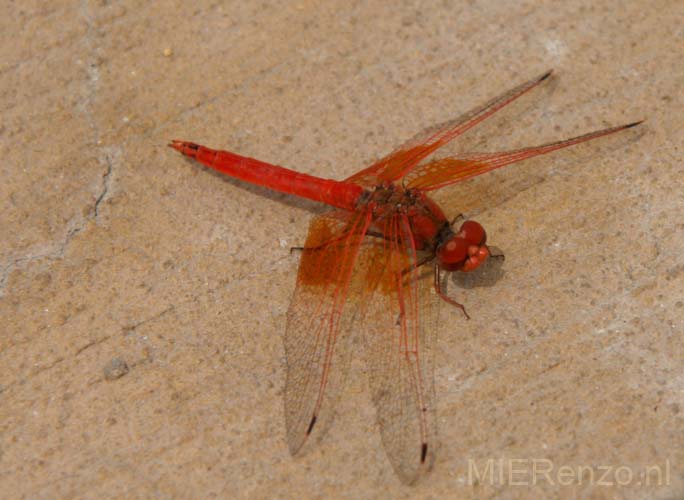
(394, 207)
(388, 198)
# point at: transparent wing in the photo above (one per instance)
(399, 327)
(442, 172)
(398, 163)
(318, 333)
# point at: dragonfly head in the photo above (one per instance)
(464, 250)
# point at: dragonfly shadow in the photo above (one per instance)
(485, 276)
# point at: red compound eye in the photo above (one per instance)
(473, 233)
(452, 254)
(476, 256)
(465, 250)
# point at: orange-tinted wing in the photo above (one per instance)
(399, 326)
(319, 321)
(398, 163)
(445, 171)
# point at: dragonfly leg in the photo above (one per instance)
(322, 245)
(496, 255)
(375, 234)
(443, 296)
(399, 316)
(312, 249)
(457, 218)
(421, 262)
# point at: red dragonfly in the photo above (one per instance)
(364, 266)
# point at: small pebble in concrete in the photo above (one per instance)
(115, 369)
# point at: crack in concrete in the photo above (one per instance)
(131, 328)
(37, 372)
(92, 344)
(108, 157)
(57, 250)
(81, 349)
(92, 85)
(106, 180)
(47, 367)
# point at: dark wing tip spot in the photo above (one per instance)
(313, 422)
(423, 453)
(634, 124)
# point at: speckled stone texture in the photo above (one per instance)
(143, 298)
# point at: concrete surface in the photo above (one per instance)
(143, 298)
